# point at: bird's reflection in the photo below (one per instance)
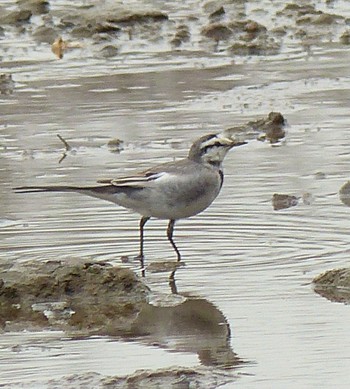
(160, 267)
(187, 324)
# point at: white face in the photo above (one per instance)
(215, 149)
(215, 154)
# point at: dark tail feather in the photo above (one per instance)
(104, 192)
(99, 191)
(34, 189)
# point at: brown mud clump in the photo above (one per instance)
(283, 201)
(72, 296)
(344, 194)
(334, 285)
(269, 128)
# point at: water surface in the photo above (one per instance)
(253, 263)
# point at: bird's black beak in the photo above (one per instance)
(237, 143)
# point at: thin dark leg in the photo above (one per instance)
(143, 221)
(172, 282)
(170, 231)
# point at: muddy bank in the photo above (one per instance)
(97, 298)
(72, 295)
(83, 298)
(176, 377)
(334, 285)
(214, 26)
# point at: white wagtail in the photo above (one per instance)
(171, 191)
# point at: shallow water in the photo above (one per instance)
(253, 263)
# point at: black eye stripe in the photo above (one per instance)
(206, 148)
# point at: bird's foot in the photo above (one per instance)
(141, 258)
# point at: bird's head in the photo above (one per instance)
(212, 149)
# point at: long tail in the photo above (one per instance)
(105, 192)
(34, 189)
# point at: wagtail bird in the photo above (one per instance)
(172, 191)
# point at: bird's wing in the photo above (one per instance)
(140, 180)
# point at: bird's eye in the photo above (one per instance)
(211, 146)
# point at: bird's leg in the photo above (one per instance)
(143, 221)
(170, 231)
(172, 282)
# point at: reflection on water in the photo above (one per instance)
(176, 323)
(195, 326)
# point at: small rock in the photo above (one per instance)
(283, 201)
(217, 14)
(106, 27)
(16, 18)
(217, 32)
(344, 194)
(325, 18)
(334, 285)
(109, 51)
(7, 85)
(182, 35)
(44, 34)
(272, 127)
(320, 175)
(345, 38)
(115, 145)
(37, 7)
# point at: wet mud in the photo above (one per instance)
(84, 299)
(70, 295)
(334, 285)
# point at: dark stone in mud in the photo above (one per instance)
(72, 295)
(334, 285)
